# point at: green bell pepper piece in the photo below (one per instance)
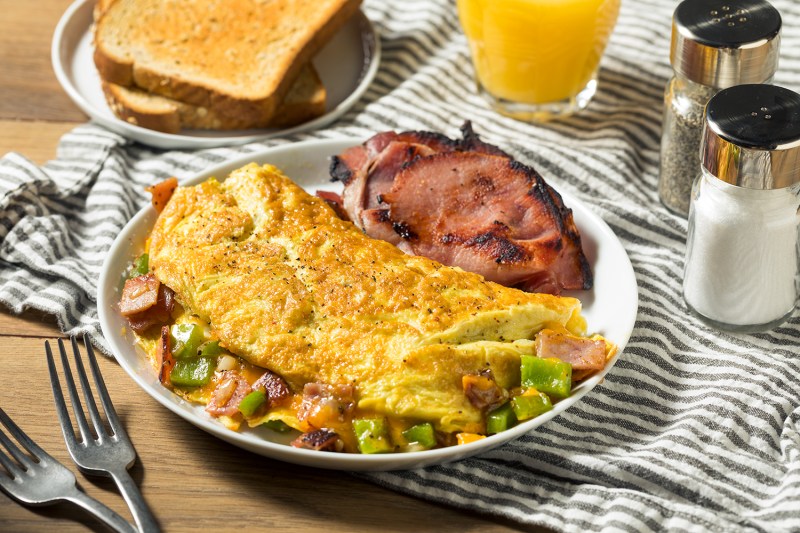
(530, 405)
(278, 425)
(251, 402)
(550, 376)
(210, 349)
(193, 372)
(421, 435)
(372, 435)
(140, 266)
(500, 419)
(185, 339)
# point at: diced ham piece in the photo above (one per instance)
(274, 386)
(157, 314)
(161, 192)
(581, 353)
(228, 394)
(139, 294)
(164, 356)
(482, 391)
(319, 440)
(324, 405)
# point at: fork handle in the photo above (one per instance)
(100, 511)
(133, 497)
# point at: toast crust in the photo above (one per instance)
(243, 73)
(305, 101)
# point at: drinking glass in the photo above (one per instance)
(537, 59)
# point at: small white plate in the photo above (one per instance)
(610, 309)
(346, 65)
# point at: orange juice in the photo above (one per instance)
(537, 51)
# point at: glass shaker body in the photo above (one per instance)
(684, 108)
(741, 270)
(715, 44)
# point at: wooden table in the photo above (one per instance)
(192, 481)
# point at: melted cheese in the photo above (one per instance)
(288, 286)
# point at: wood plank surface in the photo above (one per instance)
(193, 481)
(30, 90)
(36, 140)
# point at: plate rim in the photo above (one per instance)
(352, 462)
(163, 140)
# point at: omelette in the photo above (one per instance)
(360, 340)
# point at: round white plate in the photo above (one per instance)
(610, 309)
(346, 65)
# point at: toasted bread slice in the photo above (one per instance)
(305, 101)
(238, 57)
(99, 7)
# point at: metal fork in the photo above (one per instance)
(38, 479)
(109, 453)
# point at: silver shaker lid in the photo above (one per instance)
(721, 43)
(752, 136)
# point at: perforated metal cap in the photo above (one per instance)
(752, 136)
(721, 43)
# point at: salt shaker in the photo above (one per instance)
(741, 270)
(715, 44)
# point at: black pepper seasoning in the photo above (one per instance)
(715, 44)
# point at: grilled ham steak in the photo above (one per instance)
(463, 203)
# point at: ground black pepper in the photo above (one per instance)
(680, 143)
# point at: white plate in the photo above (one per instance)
(610, 309)
(346, 65)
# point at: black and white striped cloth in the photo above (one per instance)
(693, 429)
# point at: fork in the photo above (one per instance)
(36, 478)
(107, 454)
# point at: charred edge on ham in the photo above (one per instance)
(274, 386)
(546, 195)
(471, 141)
(432, 139)
(339, 170)
(572, 234)
(319, 440)
(500, 248)
(414, 158)
(402, 229)
(550, 198)
(493, 242)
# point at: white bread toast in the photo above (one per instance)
(305, 101)
(238, 57)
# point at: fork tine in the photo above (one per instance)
(33, 448)
(77, 408)
(13, 470)
(102, 391)
(58, 395)
(8, 464)
(91, 405)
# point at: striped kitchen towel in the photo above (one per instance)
(692, 430)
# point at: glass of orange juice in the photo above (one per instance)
(537, 59)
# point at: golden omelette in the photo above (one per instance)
(286, 285)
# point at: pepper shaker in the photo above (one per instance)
(741, 270)
(715, 44)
